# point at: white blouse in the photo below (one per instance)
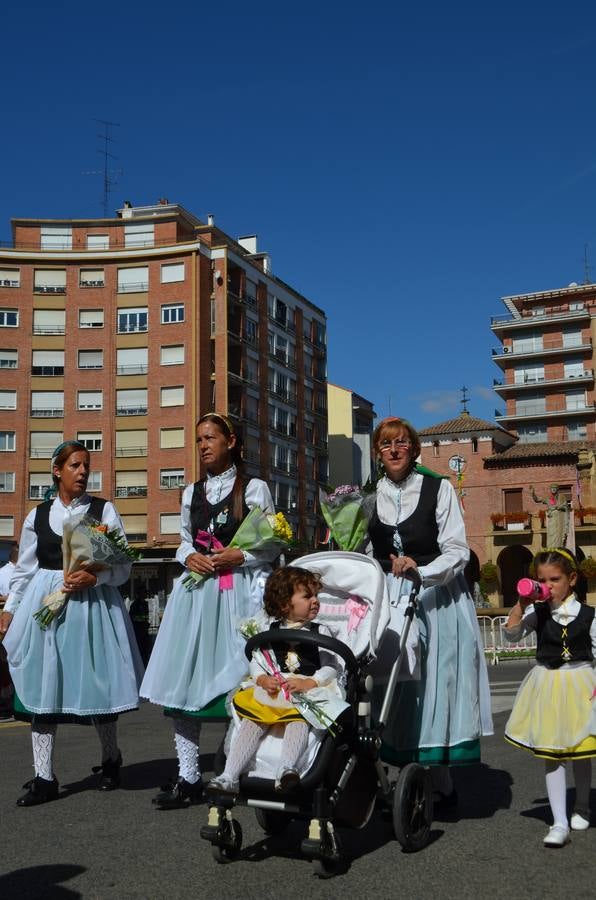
(397, 502)
(331, 665)
(217, 487)
(27, 564)
(564, 614)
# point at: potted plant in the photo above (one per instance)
(488, 571)
(516, 521)
(497, 518)
(586, 512)
(588, 567)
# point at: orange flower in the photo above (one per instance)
(102, 528)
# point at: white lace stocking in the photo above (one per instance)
(43, 738)
(294, 744)
(186, 738)
(243, 748)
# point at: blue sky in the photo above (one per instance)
(405, 165)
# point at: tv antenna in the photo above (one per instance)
(587, 266)
(109, 175)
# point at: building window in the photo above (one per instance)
(528, 374)
(131, 484)
(530, 405)
(171, 272)
(49, 321)
(91, 318)
(131, 443)
(251, 332)
(98, 242)
(94, 482)
(6, 482)
(10, 278)
(139, 235)
(133, 280)
(573, 369)
(49, 281)
(172, 396)
(538, 311)
(212, 323)
(90, 359)
(7, 441)
(319, 336)
(56, 237)
(133, 320)
(250, 292)
(39, 485)
(132, 361)
(532, 434)
(575, 400)
(9, 359)
(9, 318)
(576, 306)
(474, 445)
(135, 528)
(92, 440)
(572, 337)
(90, 278)
(47, 362)
(171, 478)
(6, 526)
(169, 523)
(436, 448)
(43, 443)
(280, 312)
(90, 400)
(131, 402)
(172, 355)
(530, 342)
(170, 438)
(171, 313)
(47, 404)
(577, 431)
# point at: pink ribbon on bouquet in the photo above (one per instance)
(277, 674)
(210, 542)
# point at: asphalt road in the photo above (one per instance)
(116, 845)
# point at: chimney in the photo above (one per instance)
(210, 219)
(163, 201)
(249, 243)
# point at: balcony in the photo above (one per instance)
(175, 482)
(540, 413)
(527, 320)
(41, 452)
(549, 348)
(131, 451)
(49, 289)
(132, 329)
(515, 521)
(138, 369)
(47, 413)
(49, 329)
(10, 282)
(131, 410)
(585, 377)
(139, 491)
(136, 287)
(137, 537)
(47, 370)
(286, 395)
(91, 284)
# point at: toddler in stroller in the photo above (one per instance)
(334, 774)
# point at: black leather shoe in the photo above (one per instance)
(110, 774)
(179, 794)
(443, 802)
(39, 790)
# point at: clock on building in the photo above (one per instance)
(457, 464)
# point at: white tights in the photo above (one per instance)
(43, 739)
(249, 736)
(556, 787)
(186, 737)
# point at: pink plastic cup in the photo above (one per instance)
(530, 589)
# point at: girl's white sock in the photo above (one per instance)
(556, 788)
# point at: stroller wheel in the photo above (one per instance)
(326, 868)
(412, 808)
(271, 821)
(229, 849)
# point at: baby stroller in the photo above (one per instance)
(342, 777)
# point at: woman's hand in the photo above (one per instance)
(300, 685)
(269, 684)
(401, 564)
(5, 620)
(228, 558)
(199, 563)
(78, 581)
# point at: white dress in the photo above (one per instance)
(439, 717)
(87, 662)
(199, 651)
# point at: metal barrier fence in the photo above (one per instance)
(494, 641)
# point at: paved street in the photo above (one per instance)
(93, 845)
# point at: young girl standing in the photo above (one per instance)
(552, 713)
(291, 600)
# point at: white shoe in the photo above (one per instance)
(579, 822)
(557, 836)
(223, 785)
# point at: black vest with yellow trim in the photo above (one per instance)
(558, 644)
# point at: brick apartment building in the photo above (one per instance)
(121, 332)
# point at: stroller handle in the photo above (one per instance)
(411, 574)
(306, 637)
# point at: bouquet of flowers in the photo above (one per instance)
(345, 515)
(257, 531)
(86, 544)
(310, 709)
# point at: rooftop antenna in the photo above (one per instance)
(464, 399)
(109, 175)
(587, 266)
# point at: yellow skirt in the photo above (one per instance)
(553, 713)
(248, 707)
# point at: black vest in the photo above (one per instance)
(418, 533)
(49, 544)
(308, 654)
(550, 637)
(204, 515)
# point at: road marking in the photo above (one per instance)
(13, 725)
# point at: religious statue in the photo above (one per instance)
(558, 513)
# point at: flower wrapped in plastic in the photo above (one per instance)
(86, 545)
(257, 531)
(346, 515)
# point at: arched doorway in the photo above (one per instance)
(514, 563)
(472, 572)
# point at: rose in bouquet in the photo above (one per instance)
(86, 545)
(345, 514)
(256, 532)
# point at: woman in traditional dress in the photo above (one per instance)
(441, 711)
(85, 667)
(199, 652)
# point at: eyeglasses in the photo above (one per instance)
(394, 445)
